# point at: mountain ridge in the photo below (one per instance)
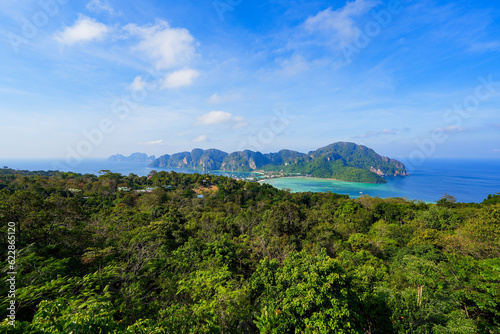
(135, 157)
(341, 160)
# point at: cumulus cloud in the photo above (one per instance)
(167, 47)
(138, 84)
(216, 98)
(98, 6)
(339, 26)
(180, 78)
(200, 139)
(85, 29)
(215, 117)
(220, 117)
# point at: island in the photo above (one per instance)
(135, 157)
(343, 161)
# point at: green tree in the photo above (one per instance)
(309, 294)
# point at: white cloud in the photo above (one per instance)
(97, 6)
(216, 98)
(496, 150)
(294, 65)
(138, 84)
(339, 25)
(167, 47)
(85, 29)
(220, 117)
(175, 79)
(180, 78)
(154, 143)
(214, 117)
(200, 139)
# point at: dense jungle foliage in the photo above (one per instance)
(179, 253)
(322, 168)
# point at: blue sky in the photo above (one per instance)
(411, 79)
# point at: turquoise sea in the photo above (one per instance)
(469, 180)
(466, 180)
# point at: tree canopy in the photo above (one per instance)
(129, 254)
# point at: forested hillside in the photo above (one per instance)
(343, 161)
(180, 253)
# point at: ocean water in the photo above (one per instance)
(93, 166)
(467, 180)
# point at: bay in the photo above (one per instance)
(468, 180)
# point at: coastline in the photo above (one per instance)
(314, 178)
(469, 180)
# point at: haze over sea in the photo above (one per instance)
(468, 180)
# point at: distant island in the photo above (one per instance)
(135, 157)
(341, 161)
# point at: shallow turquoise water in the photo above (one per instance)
(303, 184)
(353, 189)
(466, 180)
